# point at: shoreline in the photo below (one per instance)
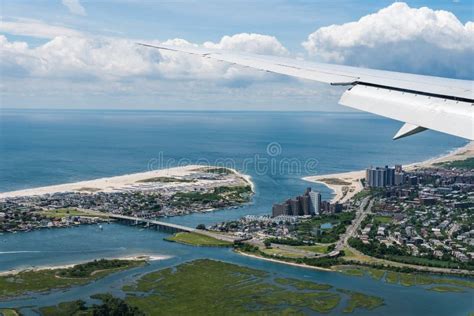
(300, 265)
(352, 178)
(138, 257)
(116, 183)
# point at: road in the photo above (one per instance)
(351, 230)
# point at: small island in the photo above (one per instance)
(47, 279)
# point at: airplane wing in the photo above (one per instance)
(421, 102)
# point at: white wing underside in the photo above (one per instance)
(421, 102)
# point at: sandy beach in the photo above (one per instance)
(347, 184)
(139, 257)
(117, 183)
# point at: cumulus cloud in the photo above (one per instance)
(109, 58)
(35, 28)
(74, 6)
(250, 43)
(400, 38)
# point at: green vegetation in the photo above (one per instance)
(458, 282)
(66, 212)
(209, 287)
(362, 194)
(315, 248)
(8, 312)
(443, 288)
(165, 180)
(391, 277)
(110, 306)
(459, 164)
(66, 308)
(380, 250)
(407, 279)
(218, 170)
(303, 285)
(88, 269)
(49, 279)
(277, 252)
(334, 181)
(310, 230)
(353, 271)
(201, 227)
(376, 274)
(225, 194)
(397, 275)
(383, 219)
(431, 262)
(325, 262)
(196, 239)
(359, 300)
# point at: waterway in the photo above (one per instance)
(42, 147)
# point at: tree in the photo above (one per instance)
(113, 306)
(267, 243)
(201, 226)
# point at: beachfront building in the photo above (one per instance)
(315, 198)
(380, 177)
(303, 205)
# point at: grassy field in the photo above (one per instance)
(351, 255)
(208, 287)
(49, 279)
(65, 212)
(276, 252)
(196, 239)
(383, 219)
(315, 248)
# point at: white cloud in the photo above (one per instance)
(35, 28)
(106, 58)
(250, 43)
(400, 38)
(74, 7)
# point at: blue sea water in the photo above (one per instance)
(44, 147)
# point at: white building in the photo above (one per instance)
(315, 204)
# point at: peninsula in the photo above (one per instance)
(153, 194)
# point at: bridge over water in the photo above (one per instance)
(164, 226)
(171, 228)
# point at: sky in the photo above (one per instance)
(81, 54)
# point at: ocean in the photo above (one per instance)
(45, 147)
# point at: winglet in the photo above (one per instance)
(408, 129)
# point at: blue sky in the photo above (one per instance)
(59, 72)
